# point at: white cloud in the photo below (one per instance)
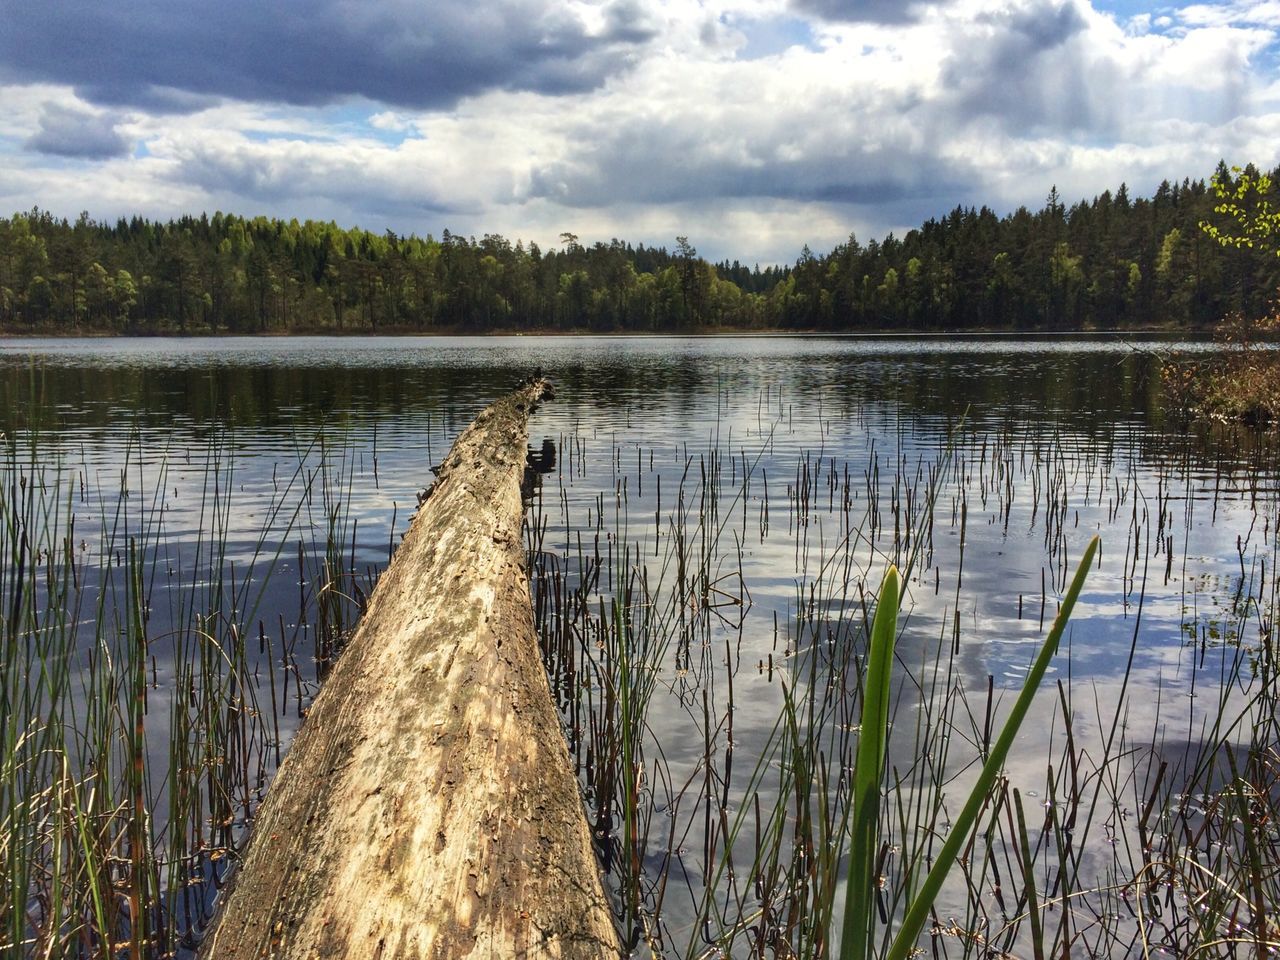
(1246, 12)
(390, 120)
(837, 126)
(1139, 25)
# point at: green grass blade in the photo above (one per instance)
(860, 891)
(918, 911)
(1029, 878)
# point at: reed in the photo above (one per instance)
(709, 626)
(728, 830)
(140, 720)
(873, 736)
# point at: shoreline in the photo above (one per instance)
(716, 333)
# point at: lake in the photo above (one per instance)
(713, 525)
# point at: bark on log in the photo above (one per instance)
(427, 807)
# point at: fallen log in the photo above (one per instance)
(427, 807)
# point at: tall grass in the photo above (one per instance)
(729, 834)
(149, 679)
(859, 918)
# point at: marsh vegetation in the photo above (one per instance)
(706, 558)
(1137, 815)
(158, 656)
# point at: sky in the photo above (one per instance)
(752, 127)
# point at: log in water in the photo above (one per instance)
(427, 807)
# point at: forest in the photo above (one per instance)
(1111, 262)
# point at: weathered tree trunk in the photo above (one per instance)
(427, 807)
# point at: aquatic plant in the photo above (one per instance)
(859, 903)
(148, 685)
(752, 843)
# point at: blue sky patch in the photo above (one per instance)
(775, 35)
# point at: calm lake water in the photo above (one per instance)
(793, 469)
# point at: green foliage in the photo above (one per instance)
(1243, 382)
(1109, 262)
(859, 916)
(1246, 199)
(860, 908)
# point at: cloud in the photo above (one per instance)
(391, 121)
(752, 126)
(68, 131)
(856, 11)
(1025, 65)
(1250, 12)
(629, 21)
(772, 156)
(386, 183)
(892, 124)
(182, 55)
(805, 124)
(1059, 67)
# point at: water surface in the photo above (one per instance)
(801, 453)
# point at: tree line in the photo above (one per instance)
(1113, 261)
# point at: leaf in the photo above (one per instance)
(918, 911)
(862, 886)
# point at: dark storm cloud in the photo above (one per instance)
(150, 98)
(68, 132)
(860, 11)
(656, 167)
(1031, 73)
(276, 175)
(176, 54)
(628, 22)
